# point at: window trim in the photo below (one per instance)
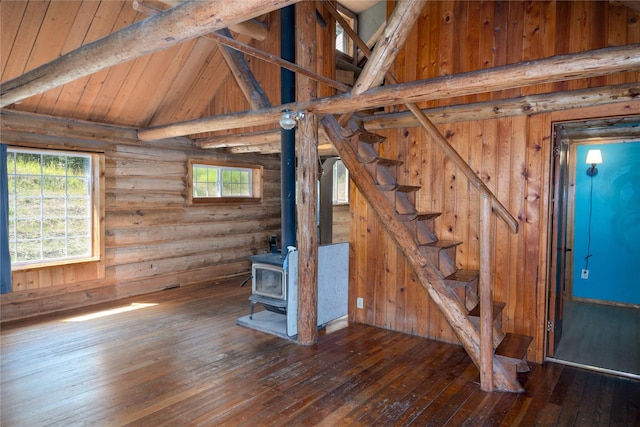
(256, 184)
(97, 207)
(335, 184)
(352, 19)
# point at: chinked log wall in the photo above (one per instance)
(511, 155)
(152, 238)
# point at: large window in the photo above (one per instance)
(52, 207)
(211, 183)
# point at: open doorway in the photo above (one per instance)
(594, 292)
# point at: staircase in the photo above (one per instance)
(453, 290)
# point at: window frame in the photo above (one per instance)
(335, 184)
(255, 184)
(352, 19)
(96, 206)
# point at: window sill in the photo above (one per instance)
(57, 263)
(225, 200)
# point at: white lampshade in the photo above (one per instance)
(594, 157)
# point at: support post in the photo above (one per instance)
(486, 295)
(307, 178)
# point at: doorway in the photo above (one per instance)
(594, 291)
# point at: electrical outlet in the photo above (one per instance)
(585, 274)
(359, 303)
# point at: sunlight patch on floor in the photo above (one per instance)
(110, 312)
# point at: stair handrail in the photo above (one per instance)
(498, 208)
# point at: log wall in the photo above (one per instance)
(153, 239)
(512, 156)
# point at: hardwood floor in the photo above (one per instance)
(602, 336)
(184, 361)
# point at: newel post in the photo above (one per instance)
(486, 295)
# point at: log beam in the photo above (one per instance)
(307, 179)
(225, 39)
(388, 46)
(173, 26)
(234, 59)
(274, 59)
(252, 28)
(495, 109)
(574, 66)
(253, 93)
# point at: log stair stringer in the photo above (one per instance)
(453, 291)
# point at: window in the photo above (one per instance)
(340, 183)
(52, 205)
(344, 43)
(211, 183)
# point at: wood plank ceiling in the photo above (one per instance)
(169, 86)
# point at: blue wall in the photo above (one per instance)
(614, 267)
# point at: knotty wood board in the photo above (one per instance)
(511, 155)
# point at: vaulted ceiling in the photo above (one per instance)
(172, 85)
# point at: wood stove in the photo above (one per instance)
(269, 282)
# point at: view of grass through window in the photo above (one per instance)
(219, 181)
(49, 205)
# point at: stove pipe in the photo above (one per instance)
(288, 149)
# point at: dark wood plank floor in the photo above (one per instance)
(185, 362)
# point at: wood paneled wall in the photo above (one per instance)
(512, 155)
(153, 239)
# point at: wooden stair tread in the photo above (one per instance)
(497, 309)
(417, 216)
(441, 244)
(370, 138)
(514, 346)
(388, 162)
(462, 276)
(380, 161)
(408, 188)
(398, 187)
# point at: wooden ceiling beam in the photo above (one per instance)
(274, 59)
(253, 93)
(531, 104)
(573, 66)
(234, 59)
(188, 20)
(252, 28)
(388, 46)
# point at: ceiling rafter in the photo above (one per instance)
(181, 23)
(253, 93)
(573, 66)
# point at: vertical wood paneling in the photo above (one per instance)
(51, 100)
(511, 155)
